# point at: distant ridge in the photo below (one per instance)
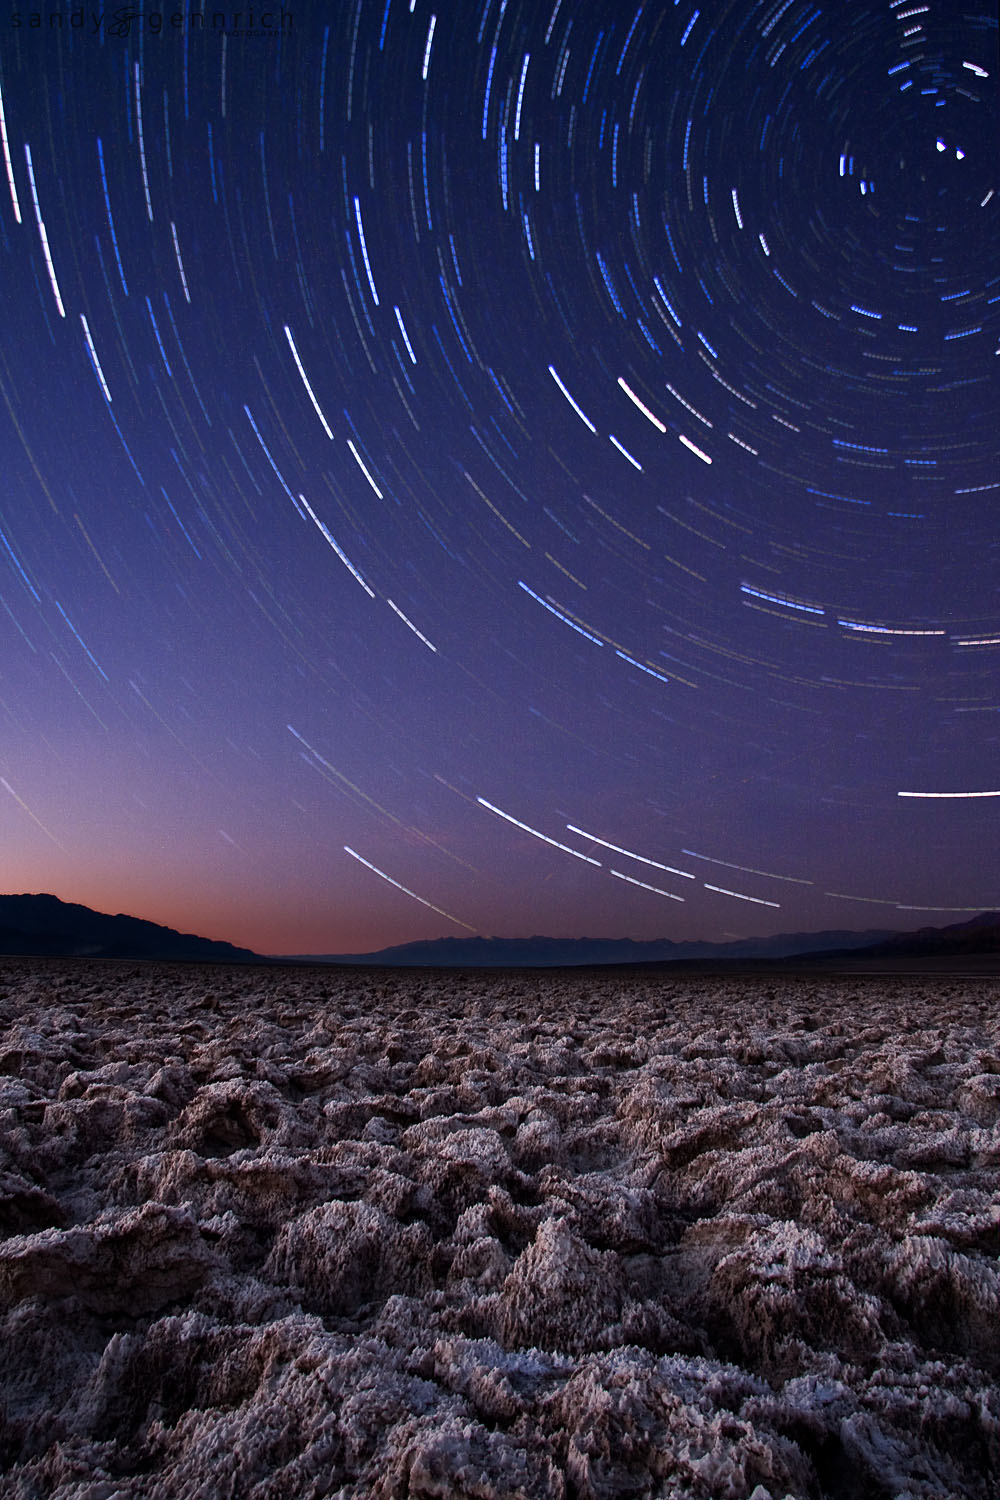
(43, 926)
(546, 952)
(980, 934)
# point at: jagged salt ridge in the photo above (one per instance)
(304, 1234)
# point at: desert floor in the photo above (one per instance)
(309, 1232)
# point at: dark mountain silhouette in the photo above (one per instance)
(981, 934)
(544, 952)
(44, 926)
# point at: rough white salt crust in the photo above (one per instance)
(270, 1234)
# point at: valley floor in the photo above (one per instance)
(364, 1233)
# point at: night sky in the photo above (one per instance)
(506, 468)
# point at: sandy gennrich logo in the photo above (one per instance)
(126, 19)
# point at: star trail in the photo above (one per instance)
(432, 431)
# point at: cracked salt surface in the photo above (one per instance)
(304, 1233)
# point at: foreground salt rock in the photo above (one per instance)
(279, 1233)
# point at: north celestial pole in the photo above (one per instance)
(506, 468)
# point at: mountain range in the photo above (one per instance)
(45, 926)
(979, 935)
(548, 952)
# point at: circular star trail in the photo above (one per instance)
(523, 468)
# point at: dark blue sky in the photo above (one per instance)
(516, 468)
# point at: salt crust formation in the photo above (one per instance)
(309, 1233)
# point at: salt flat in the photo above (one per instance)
(310, 1232)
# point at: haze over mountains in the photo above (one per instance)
(45, 926)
